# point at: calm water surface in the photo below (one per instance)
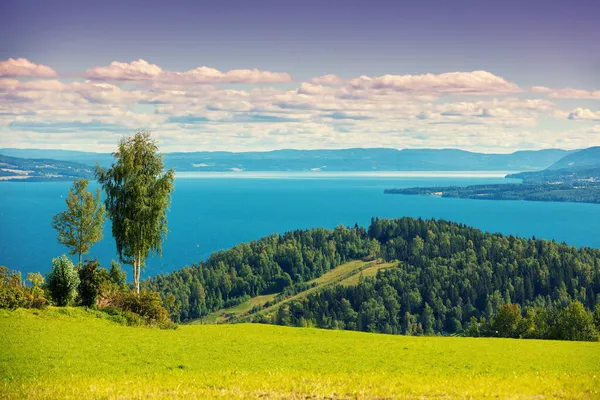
(216, 212)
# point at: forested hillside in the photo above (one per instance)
(268, 265)
(574, 168)
(447, 274)
(13, 168)
(581, 159)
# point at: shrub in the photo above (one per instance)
(117, 275)
(147, 305)
(91, 277)
(123, 317)
(63, 281)
(14, 294)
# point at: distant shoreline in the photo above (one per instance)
(341, 174)
(563, 193)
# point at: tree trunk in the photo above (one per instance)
(139, 272)
(136, 276)
(80, 255)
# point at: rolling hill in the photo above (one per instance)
(582, 165)
(582, 159)
(75, 353)
(375, 159)
(42, 169)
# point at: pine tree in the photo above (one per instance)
(80, 226)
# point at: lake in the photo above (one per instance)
(216, 211)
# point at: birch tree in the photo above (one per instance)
(80, 225)
(138, 195)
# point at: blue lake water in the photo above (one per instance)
(216, 212)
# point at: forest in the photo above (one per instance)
(579, 192)
(450, 279)
(268, 265)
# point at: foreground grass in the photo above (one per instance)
(70, 353)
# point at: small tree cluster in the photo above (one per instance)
(15, 293)
(90, 286)
(572, 322)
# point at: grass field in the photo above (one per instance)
(345, 274)
(71, 353)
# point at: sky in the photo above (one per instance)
(490, 76)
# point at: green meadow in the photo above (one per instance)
(74, 353)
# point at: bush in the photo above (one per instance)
(147, 305)
(117, 275)
(14, 294)
(123, 317)
(63, 281)
(91, 277)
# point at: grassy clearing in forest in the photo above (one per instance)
(340, 274)
(368, 272)
(72, 353)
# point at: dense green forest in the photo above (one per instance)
(580, 192)
(268, 265)
(449, 276)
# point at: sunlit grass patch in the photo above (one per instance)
(64, 353)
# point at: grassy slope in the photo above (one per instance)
(70, 353)
(346, 274)
(366, 273)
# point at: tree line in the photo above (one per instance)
(453, 279)
(268, 265)
(447, 275)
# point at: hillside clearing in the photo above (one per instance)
(70, 353)
(346, 274)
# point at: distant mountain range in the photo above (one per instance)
(582, 159)
(16, 168)
(377, 159)
(582, 165)
(573, 178)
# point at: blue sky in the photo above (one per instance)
(491, 76)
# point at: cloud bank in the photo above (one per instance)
(142, 70)
(21, 67)
(247, 109)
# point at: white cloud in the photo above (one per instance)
(476, 82)
(134, 71)
(141, 70)
(584, 114)
(25, 68)
(328, 79)
(567, 93)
